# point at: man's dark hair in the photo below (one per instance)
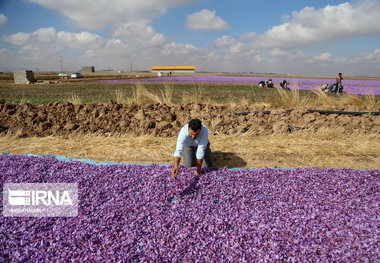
(195, 124)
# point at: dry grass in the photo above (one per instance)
(289, 99)
(247, 101)
(325, 99)
(369, 101)
(121, 98)
(282, 98)
(300, 149)
(75, 99)
(167, 94)
(24, 100)
(195, 96)
(351, 99)
(142, 96)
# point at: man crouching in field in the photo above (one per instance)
(193, 142)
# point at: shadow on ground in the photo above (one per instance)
(227, 160)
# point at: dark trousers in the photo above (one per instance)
(189, 156)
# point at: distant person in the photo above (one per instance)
(284, 85)
(193, 142)
(325, 87)
(261, 84)
(338, 83)
(269, 83)
(332, 87)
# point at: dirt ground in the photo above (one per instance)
(111, 118)
(129, 133)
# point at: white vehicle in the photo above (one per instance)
(76, 75)
(62, 75)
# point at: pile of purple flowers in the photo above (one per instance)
(133, 213)
(359, 87)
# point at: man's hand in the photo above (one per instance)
(175, 173)
(175, 169)
(199, 167)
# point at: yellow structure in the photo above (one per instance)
(173, 69)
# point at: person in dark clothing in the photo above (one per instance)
(269, 83)
(284, 85)
(261, 84)
(338, 83)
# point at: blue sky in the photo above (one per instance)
(314, 37)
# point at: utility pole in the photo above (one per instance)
(61, 64)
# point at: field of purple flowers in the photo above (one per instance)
(133, 213)
(354, 86)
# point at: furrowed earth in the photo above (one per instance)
(111, 118)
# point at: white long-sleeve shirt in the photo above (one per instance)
(184, 138)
